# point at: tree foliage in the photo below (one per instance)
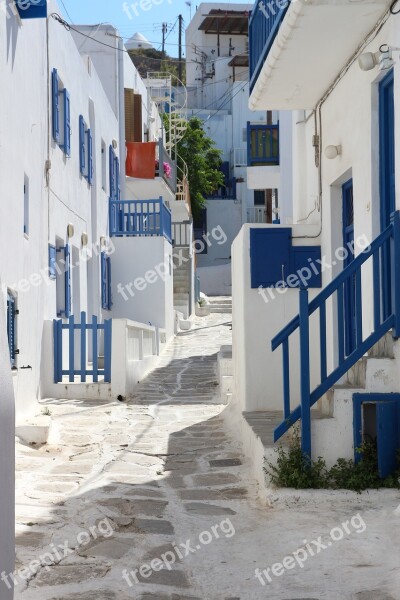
(203, 160)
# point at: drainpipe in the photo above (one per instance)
(121, 116)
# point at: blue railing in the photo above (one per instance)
(262, 145)
(140, 218)
(78, 361)
(384, 253)
(265, 20)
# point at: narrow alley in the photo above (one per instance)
(151, 500)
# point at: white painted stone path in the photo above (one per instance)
(127, 483)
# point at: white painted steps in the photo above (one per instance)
(220, 304)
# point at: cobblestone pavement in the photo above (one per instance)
(151, 500)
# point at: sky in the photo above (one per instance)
(133, 18)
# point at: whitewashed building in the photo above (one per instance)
(256, 146)
(86, 260)
(327, 355)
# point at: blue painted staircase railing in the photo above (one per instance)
(384, 254)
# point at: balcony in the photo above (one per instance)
(153, 170)
(262, 145)
(140, 218)
(294, 50)
(257, 214)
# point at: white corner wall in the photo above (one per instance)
(257, 370)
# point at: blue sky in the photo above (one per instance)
(148, 22)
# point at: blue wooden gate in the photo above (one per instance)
(83, 327)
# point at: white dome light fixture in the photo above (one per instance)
(383, 58)
(332, 152)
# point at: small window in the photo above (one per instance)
(26, 206)
(12, 327)
(52, 262)
(106, 296)
(114, 175)
(85, 150)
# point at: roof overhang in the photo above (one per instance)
(226, 22)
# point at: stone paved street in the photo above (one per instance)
(144, 483)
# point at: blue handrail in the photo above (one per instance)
(386, 244)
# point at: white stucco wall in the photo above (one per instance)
(7, 461)
(152, 299)
(257, 370)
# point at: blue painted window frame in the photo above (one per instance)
(67, 282)
(82, 145)
(55, 88)
(67, 123)
(52, 262)
(62, 138)
(106, 295)
(114, 175)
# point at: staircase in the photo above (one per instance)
(220, 304)
(371, 367)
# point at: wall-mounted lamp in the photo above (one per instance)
(114, 144)
(103, 241)
(383, 58)
(332, 152)
(84, 239)
(70, 230)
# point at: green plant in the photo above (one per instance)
(293, 469)
(46, 412)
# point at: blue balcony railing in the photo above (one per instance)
(262, 145)
(265, 20)
(140, 218)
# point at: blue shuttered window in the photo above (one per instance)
(11, 327)
(52, 262)
(55, 86)
(114, 175)
(67, 123)
(106, 296)
(82, 145)
(61, 120)
(68, 293)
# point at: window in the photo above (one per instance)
(85, 150)
(26, 206)
(61, 107)
(106, 296)
(64, 274)
(52, 262)
(114, 175)
(11, 327)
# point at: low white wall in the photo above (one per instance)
(142, 281)
(257, 370)
(224, 220)
(7, 461)
(216, 281)
(135, 349)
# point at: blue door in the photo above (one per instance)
(387, 177)
(387, 425)
(350, 285)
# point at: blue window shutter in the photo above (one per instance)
(52, 262)
(67, 123)
(109, 294)
(82, 150)
(112, 174)
(90, 160)
(32, 10)
(104, 300)
(56, 105)
(11, 327)
(270, 256)
(68, 294)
